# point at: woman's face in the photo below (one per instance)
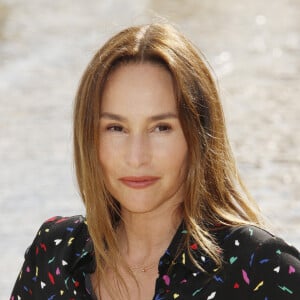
(143, 151)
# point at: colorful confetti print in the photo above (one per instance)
(257, 265)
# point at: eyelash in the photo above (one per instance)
(113, 127)
(165, 126)
(120, 128)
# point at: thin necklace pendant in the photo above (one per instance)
(143, 269)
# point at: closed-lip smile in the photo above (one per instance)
(138, 182)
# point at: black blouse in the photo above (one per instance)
(257, 265)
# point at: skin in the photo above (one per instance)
(141, 135)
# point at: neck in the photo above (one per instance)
(144, 237)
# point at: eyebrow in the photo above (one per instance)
(159, 117)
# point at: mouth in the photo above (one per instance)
(139, 182)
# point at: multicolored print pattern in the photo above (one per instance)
(57, 262)
(257, 266)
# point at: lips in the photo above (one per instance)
(139, 182)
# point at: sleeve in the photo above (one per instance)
(26, 284)
(275, 271)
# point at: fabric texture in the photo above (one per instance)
(257, 266)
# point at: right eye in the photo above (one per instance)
(116, 128)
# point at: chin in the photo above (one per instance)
(137, 209)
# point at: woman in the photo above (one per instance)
(167, 216)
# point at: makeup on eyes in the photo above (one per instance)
(161, 127)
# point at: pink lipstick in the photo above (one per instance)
(139, 182)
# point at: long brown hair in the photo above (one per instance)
(215, 192)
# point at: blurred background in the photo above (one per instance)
(252, 46)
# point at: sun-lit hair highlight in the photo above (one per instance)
(215, 194)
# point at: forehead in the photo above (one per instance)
(139, 86)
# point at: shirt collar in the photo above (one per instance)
(177, 253)
(84, 261)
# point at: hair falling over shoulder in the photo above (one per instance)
(215, 193)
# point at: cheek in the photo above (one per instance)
(102, 154)
(108, 147)
(181, 157)
(174, 156)
(106, 154)
(181, 166)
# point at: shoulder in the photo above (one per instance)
(62, 238)
(59, 256)
(252, 239)
(61, 227)
(261, 263)
(61, 231)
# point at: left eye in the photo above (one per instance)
(162, 128)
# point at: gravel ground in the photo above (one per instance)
(253, 47)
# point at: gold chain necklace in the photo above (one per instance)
(143, 269)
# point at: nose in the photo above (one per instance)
(138, 152)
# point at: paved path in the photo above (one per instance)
(253, 46)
